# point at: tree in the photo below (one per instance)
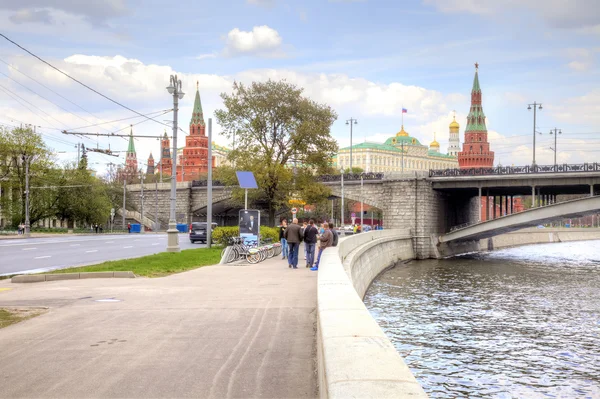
(276, 128)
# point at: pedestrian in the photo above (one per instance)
(20, 229)
(96, 228)
(325, 240)
(294, 238)
(304, 226)
(282, 240)
(310, 240)
(129, 228)
(100, 227)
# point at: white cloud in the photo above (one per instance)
(96, 11)
(205, 56)
(32, 16)
(261, 41)
(262, 3)
(582, 58)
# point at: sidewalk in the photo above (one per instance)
(218, 331)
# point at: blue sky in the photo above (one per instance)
(366, 59)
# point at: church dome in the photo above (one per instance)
(402, 132)
(434, 144)
(454, 124)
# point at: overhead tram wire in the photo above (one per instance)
(78, 81)
(48, 88)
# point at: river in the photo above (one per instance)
(515, 323)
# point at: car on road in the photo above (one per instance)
(198, 231)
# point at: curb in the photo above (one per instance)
(38, 278)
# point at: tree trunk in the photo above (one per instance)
(271, 215)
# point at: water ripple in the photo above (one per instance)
(516, 323)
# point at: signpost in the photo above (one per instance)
(353, 216)
(294, 212)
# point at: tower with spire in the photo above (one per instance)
(195, 154)
(150, 168)
(476, 148)
(454, 142)
(131, 164)
(165, 164)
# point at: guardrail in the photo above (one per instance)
(516, 170)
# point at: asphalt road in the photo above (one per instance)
(42, 254)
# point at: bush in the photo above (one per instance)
(221, 235)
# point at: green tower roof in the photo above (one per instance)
(131, 148)
(476, 82)
(197, 114)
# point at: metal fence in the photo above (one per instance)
(516, 170)
(350, 177)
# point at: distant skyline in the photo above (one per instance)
(367, 59)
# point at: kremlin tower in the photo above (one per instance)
(150, 169)
(454, 147)
(165, 163)
(195, 153)
(131, 165)
(476, 148)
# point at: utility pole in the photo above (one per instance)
(402, 156)
(536, 106)
(361, 200)
(174, 88)
(209, 188)
(124, 196)
(351, 122)
(142, 202)
(342, 209)
(555, 132)
(156, 222)
(78, 155)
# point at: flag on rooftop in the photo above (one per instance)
(404, 111)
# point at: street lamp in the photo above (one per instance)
(351, 122)
(27, 159)
(174, 88)
(536, 106)
(142, 202)
(555, 132)
(361, 200)
(342, 209)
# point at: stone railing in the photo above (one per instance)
(351, 177)
(355, 357)
(135, 215)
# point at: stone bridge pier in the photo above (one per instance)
(408, 201)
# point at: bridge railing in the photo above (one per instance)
(516, 170)
(350, 177)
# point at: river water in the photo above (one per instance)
(515, 323)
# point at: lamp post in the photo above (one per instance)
(342, 208)
(361, 200)
(142, 202)
(536, 106)
(27, 159)
(555, 132)
(174, 89)
(351, 122)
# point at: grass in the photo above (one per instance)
(12, 316)
(158, 265)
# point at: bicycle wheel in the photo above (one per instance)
(253, 256)
(271, 251)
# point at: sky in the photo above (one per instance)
(367, 59)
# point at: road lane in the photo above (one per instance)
(42, 254)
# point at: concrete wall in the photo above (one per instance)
(539, 236)
(355, 358)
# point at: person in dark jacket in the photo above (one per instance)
(325, 241)
(310, 240)
(282, 240)
(293, 237)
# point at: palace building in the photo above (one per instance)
(398, 153)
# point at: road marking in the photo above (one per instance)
(156, 243)
(74, 245)
(43, 257)
(137, 240)
(109, 242)
(130, 246)
(28, 249)
(5, 289)
(90, 251)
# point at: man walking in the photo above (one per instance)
(282, 240)
(293, 237)
(325, 241)
(310, 240)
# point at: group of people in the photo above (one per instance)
(292, 235)
(21, 229)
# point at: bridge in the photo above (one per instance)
(467, 238)
(429, 203)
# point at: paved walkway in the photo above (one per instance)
(216, 332)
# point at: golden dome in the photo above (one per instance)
(434, 143)
(454, 124)
(402, 132)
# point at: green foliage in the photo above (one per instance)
(222, 234)
(279, 135)
(158, 265)
(269, 232)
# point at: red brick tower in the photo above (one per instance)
(195, 153)
(476, 148)
(166, 163)
(150, 168)
(131, 165)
